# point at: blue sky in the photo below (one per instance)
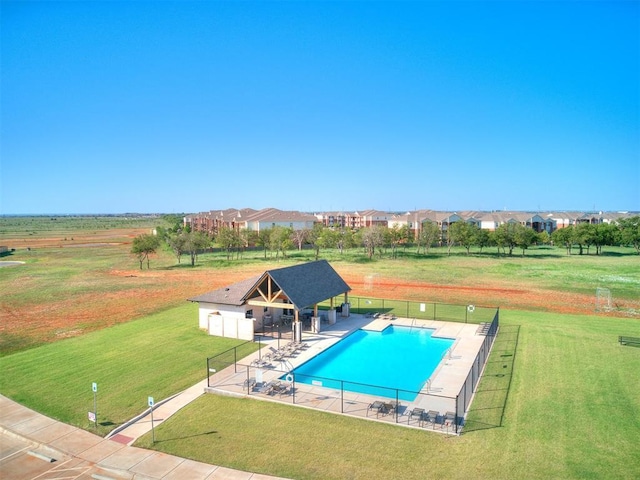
(113, 107)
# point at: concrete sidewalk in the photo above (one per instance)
(35, 446)
(162, 410)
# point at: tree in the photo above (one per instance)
(344, 239)
(504, 237)
(604, 234)
(524, 237)
(247, 237)
(300, 237)
(177, 243)
(483, 238)
(143, 246)
(196, 241)
(228, 239)
(314, 237)
(324, 238)
(176, 222)
(372, 239)
(396, 235)
(582, 235)
(630, 232)
(564, 236)
(264, 240)
(464, 234)
(280, 240)
(429, 234)
(543, 238)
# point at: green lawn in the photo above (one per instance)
(559, 400)
(156, 356)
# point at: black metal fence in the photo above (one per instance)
(219, 362)
(452, 420)
(463, 399)
(418, 310)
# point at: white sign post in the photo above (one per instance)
(153, 432)
(93, 416)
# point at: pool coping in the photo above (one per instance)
(446, 381)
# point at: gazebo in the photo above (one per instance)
(282, 294)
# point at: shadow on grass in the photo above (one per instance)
(487, 410)
(211, 432)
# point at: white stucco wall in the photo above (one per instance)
(225, 321)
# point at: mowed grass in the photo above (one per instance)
(158, 356)
(559, 400)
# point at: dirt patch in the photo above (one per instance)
(76, 239)
(133, 293)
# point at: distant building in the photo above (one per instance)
(256, 220)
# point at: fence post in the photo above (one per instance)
(397, 403)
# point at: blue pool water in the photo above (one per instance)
(378, 363)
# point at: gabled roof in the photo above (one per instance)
(232, 295)
(304, 285)
(309, 283)
(275, 215)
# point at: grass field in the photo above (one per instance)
(158, 355)
(565, 406)
(559, 398)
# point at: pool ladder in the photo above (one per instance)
(287, 364)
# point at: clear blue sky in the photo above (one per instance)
(112, 107)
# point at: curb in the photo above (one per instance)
(135, 419)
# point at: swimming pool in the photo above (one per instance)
(378, 363)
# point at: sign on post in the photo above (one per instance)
(153, 431)
(93, 416)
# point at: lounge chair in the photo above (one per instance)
(263, 387)
(275, 355)
(390, 407)
(377, 406)
(280, 388)
(418, 413)
(261, 362)
(432, 417)
(449, 419)
(249, 383)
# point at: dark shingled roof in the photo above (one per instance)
(305, 285)
(232, 295)
(309, 283)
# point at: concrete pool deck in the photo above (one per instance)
(446, 381)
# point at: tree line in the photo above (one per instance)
(381, 240)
